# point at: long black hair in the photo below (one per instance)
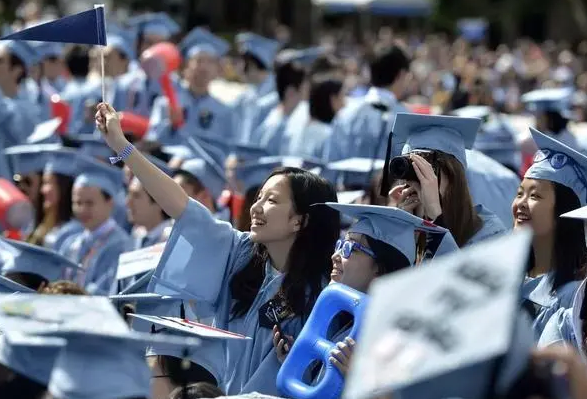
(308, 262)
(570, 252)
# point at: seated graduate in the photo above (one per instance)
(381, 241)
(99, 245)
(284, 260)
(33, 266)
(428, 175)
(553, 185)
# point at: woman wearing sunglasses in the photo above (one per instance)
(556, 183)
(381, 241)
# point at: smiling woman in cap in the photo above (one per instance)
(428, 172)
(252, 281)
(380, 241)
(555, 184)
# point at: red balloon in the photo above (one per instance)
(161, 59)
(16, 210)
(134, 124)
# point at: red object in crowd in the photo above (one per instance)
(159, 62)
(135, 124)
(420, 109)
(60, 109)
(16, 210)
(13, 235)
(527, 161)
(233, 201)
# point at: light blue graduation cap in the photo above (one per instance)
(260, 47)
(559, 163)
(87, 27)
(249, 152)
(497, 140)
(47, 50)
(155, 24)
(30, 158)
(426, 328)
(28, 258)
(8, 286)
(30, 356)
(153, 305)
(348, 170)
(63, 161)
(580, 214)
(253, 174)
(206, 173)
(44, 133)
(23, 51)
(203, 41)
(123, 43)
(306, 56)
(393, 226)
(449, 134)
(473, 111)
(94, 146)
(556, 100)
(100, 174)
(102, 357)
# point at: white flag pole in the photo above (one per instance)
(96, 6)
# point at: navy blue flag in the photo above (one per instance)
(86, 27)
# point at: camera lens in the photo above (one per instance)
(401, 168)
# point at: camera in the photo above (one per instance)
(401, 168)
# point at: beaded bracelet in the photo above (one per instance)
(125, 153)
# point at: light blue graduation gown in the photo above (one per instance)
(538, 291)
(204, 116)
(492, 226)
(559, 329)
(253, 106)
(308, 140)
(35, 94)
(272, 134)
(358, 127)
(200, 259)
(492, 185)
(75, 93)
(55, 238)
(99, 257)
(155, 236)
(19, 118)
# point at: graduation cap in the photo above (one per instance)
(155, 24)
(22, 50)
(497, 140)
(30, 158)
(580, 214)
(123, 43)
(473, 111)
(201, 40)
(449, 134)
(346, 171)
(249, 152)
(392, 226)
(93, 146)
(94, 173)
(206, 173)
(28, 258)
(63, 161)
(435, 336)
(100, 359)
(349, 197)
(30, 356)
(77, 28)
(306, 56)
(555, 100)
(47, 50)
(253, 174)
(260, 47)
(8, 286)
(559, 163)
(44, 133)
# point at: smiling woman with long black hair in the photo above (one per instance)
(249, 281)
